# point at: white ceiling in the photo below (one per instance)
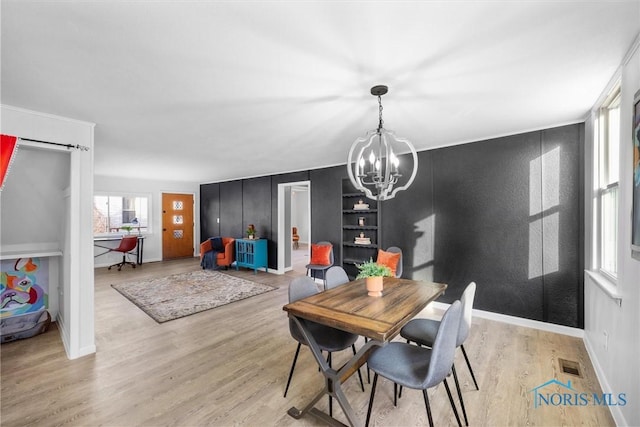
(212, 90)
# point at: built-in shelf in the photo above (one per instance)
(360, 211)
(357, 245)
(352, 261)
(353, 253)
(359, 227)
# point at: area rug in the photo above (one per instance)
(180, 295)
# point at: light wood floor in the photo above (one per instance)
(300, 258)
(228, 367)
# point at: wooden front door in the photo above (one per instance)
(177, 225)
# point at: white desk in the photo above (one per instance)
(97, 242)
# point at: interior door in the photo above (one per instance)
(177, 225)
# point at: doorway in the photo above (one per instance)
(294, 210)
(177, 226)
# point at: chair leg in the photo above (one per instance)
(373, 392)
(453, 406)
(455, 378)
(426, 403)
(330, 397)
(469, 365)
(122, 263)
(395, 394)
(293, 365)
(353, 347)
(366, 340)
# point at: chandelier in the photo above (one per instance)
(373, 163)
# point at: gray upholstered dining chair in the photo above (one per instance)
(397, 250)
(328, 339)
(335, 276)
(423, 332)
(418, 367)
(314, 268)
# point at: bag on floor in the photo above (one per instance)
(24, 325)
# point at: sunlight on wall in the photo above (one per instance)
(544, 223)
(425, 232)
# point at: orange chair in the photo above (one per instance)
(295, 237)
(224, 259)
(127, 244)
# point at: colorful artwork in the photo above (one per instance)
(635, 232)
(23, 285)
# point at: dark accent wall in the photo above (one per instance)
(256, 205)
(407, 222)
(484, 229)
(508, 217)
(505, 213)
(209, 211)
(231, 209)
(326, 206)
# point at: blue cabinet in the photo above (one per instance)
(251, 254)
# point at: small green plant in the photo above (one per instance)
(372, 269)
(128, 228)
(251, 230)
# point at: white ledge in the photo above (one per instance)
(27, 254)
(30, 250)
(607, 287)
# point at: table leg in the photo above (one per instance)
(333, 380)
(139, 251)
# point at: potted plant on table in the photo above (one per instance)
(373, 274)
(251, 231)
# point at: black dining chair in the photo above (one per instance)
(328, 339)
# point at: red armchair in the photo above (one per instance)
(226, 258)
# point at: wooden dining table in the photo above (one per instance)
(348, 307)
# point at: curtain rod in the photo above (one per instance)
(77, 146)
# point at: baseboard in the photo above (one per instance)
(84, 351)
(71, 354)
(63, 335)
(519, 321)
(615, 411)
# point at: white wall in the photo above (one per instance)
(300, 213)
(76, 305)
(616, 358)
(154, 189)
(33, 209)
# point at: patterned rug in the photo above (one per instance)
(183, 294)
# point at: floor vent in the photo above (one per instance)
(570, 367)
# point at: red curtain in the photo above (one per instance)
(7, 151)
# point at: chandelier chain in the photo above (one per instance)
(380, 121)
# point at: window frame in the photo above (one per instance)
(118, 194)
(605, 184)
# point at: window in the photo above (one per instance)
(115, 214)
(606, 178)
